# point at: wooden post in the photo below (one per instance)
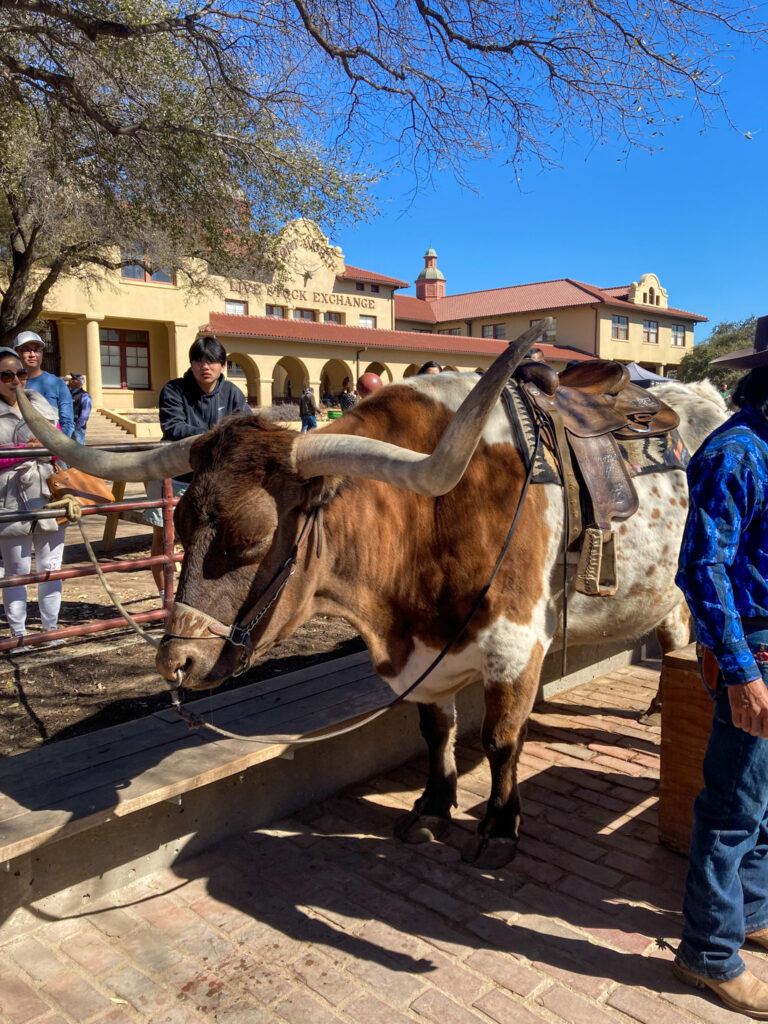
(110, 527)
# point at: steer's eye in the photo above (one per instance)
(253, 550)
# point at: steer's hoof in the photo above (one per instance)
(421, 828)
(489, 852)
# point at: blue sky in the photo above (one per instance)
(694, 213)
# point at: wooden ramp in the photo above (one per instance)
(65, 788)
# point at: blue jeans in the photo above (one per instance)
(79, 435)
(726, 892)
(308, 423)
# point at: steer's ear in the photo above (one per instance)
(321, 490)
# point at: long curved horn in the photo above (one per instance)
(133, 467)
(432, 475)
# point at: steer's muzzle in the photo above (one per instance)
(204, 664)
(196, 645)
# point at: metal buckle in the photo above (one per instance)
(239, 635)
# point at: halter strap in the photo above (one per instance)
(188, 623)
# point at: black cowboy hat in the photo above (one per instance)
(748, 358)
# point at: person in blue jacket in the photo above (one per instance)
(29, 348)
(723, 573)
(191, 405)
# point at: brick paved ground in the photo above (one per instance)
(323, 918)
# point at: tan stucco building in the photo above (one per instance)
(330, 321)
(632, 323)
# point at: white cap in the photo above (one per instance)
(27, 337)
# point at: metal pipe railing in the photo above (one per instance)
(166, 559)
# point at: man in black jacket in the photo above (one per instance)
(307, 409)
(191, 405)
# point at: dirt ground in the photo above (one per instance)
(108, 678)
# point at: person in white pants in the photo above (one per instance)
(22, 488)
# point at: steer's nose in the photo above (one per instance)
(203, 663)
(172, 656)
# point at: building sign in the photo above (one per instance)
(330, 299)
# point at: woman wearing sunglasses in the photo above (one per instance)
(22, 489)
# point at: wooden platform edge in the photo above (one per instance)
(229, 756)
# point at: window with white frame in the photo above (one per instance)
(303, 314)
(332, 318)
(276, 312)
(235, 307)
(650, 332)
(549, 336)
(451, 330)
(619, 328)
(678, 335)
(367, 321)
(494, 331)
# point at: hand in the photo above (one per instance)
(33, 443)
(749, 707)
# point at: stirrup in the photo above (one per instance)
(596, 571)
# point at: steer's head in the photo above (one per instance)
(243, 513)
(239, 522)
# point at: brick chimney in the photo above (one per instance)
(430, 284)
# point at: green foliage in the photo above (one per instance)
(726, 337)
(157, 139)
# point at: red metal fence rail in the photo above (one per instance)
(167, 559)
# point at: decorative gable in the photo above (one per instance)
(648, 292)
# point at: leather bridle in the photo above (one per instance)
(188, 623)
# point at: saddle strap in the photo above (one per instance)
(570, 483)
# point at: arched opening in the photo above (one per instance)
(451, 368)
(383, 371)
(651, 296)
(411, 370)
(288, 380)
(334, 377)
(244, 374)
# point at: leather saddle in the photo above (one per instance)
(588, 409)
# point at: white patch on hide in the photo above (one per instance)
(453, 673)
(450, 389)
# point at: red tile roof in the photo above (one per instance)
(233, 325)
(356, 274)
(522, 298)
(408, 307)
(617, 297)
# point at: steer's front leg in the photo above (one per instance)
(508, 703)
(431, 814)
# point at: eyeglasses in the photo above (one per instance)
(7, 376)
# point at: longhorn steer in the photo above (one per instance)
(404, 564)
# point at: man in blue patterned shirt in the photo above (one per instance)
(724, 575)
